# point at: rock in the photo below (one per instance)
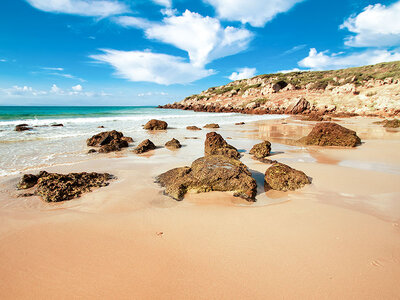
(240, 123)
(22, 127)
(100, 126)
(109, 141)
(281, 177)
(155, 125)
(193, 128)
(261, 150)
(92, 151)
(216, 145)
(213, 125)
(298, 107)
(395, 123)
(144, 146)
(331, 134)
(173, 144)
(210, 173)
(53, 187)
(27, 181)
(57, 125)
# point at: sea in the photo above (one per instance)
(46, 145)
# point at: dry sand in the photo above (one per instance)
(338, 238)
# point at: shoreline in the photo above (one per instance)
(129, 240)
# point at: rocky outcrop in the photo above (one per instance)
(281, 177)
(23, 127)
(193, 128)
(109, 141)
(144, 146)
(156, 125)
(210, 173)
(298, 106)
(261, 150)
(173, 144)
(213, 125)
(331, 134)
(53, 187)
(216, 145)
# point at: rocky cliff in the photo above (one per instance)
(369, 90)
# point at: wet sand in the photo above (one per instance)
(337, 238)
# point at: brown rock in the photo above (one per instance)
(261, 150)
(210, 173)
(57, 125)
(331, 134)
(173, 144)
(22, 127)
(109, 141)
(216, 145)
(92, 151)
(144, 146)
(193, 128)
(298, 107)
(213, 125)
(155, 125)
(281, 177)
(240, 123)
(395, 123)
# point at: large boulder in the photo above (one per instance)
(212, 125)
(109, 141)
(281, 177)
(53, 187)
(216, 145)
(156, 125)
(173, 144)
(331, 134)
(261, 150)
(144, 146)
(210, 173)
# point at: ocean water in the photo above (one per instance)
(46, 146)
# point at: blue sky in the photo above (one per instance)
(137, 52)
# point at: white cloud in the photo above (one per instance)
(22, 91)
(152, 94)
(254, 12)
(77, 88)
(377, 25)
(152, 67)
(243, 73)
(166, 3)
(53, 68)
(56, 90)
(89, 8)
(323, 60)
(291, 70)
(202, 37)
(3, 60)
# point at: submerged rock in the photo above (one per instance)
(261, 150)
(281, 177)
(173, 144)
(144, 146)
(155, 125)
(22, 127)
(210, 173)
(240, 123)
(193, 128)
(395, 123)
(57, 125)
(213, 125)
(53, 187)
(109, 141)
(331, 134)
(216, 145)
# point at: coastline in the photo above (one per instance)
(338, 237)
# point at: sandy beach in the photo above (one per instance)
(338, 238)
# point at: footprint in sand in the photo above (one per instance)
(376, 263)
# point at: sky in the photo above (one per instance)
(149, 52)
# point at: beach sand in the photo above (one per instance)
(338, 238)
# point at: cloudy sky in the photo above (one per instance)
(148, 52)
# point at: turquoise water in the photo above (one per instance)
(45, 145)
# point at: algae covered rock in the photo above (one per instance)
(331, 134)
(173, 144)
(54, 187)
(144, 146)
(261, 150)
(281, 177)
(216, 145)
(156, 125)
(210, 173)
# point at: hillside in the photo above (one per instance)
(368, 90)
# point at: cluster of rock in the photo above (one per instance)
(54, 187)
(109, 141)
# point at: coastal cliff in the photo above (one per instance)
(369, 91)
